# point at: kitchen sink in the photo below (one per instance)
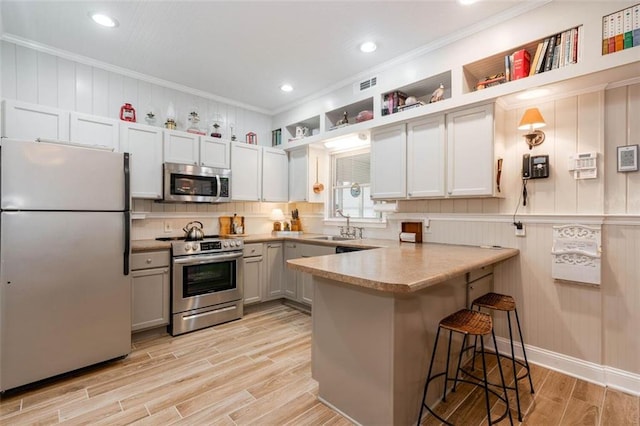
(331, 238)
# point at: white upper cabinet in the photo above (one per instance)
(275, 175)
(93, 130)
(144, 143)
(246, 172)
(307, 166)
(388, 162)
(215, 152)
(22, 120)
(181, 147)
(426, 148)
(470, 152)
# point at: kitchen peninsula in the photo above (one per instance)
(375, 314)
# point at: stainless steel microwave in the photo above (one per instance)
(196, 184)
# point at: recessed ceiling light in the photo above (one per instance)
(533, 94)
(368, 47)
(286, 88)
(104, 20)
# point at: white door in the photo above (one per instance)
(22, 120)
(388, 163)
(92, 130)
(215, 152)
(144, 143)
(275, 175)
(181, 147)
(298, 184)
(470, 151)
(246, 171)
(426, 158)
(66, 302)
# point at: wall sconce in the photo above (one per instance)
(277, 216)
(532, 120)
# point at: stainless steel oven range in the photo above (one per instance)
(206, 283)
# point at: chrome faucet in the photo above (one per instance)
(348, 217)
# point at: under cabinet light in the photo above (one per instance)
(347, 142)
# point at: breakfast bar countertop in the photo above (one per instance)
(402, 267)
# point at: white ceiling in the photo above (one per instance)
(244, 50)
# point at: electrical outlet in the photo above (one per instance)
(520, 231)
(167, 227)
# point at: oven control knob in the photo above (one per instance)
(187, 247)
(225, 245)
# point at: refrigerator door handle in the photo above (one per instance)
(127, 241)
(127, 183)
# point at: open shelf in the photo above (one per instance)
(352, 110)
(311, 124)
(422, 90)
(476, 72)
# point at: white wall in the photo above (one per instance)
(32, 76)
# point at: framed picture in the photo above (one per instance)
(628, 158)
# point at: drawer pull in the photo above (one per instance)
(149, 261)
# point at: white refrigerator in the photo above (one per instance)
(65, 293)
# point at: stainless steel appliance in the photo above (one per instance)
(206, 283)
(65, 297)
(196, 184)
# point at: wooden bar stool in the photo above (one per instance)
(502, 302)
(468, 323)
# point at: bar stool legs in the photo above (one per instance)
(501, 302)
(466, 322)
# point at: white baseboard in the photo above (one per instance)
(591, 372)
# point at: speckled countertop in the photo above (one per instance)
(402, 267)
(391, 267)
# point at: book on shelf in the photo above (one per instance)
(490, 81)
(605, 35)
(543, 55)
(548, 59)
(392, 101)
(627, 28)
(557, 52)
(619, 35)
(636, 25)
(410, 106)
(521, 64)
(507, 67)
(536, 57)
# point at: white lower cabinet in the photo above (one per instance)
(253, 279)
(149, 290)
(144, 144)
(274, 270)
(299, 285)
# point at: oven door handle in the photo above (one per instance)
(200, 259)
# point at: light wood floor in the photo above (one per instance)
(257, 371)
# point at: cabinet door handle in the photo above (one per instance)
(149, 261)
(409, 194)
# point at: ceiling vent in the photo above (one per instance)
(365, 84)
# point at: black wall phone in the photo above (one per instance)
(535, 166)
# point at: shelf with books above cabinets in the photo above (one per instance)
(428, 90)
(348, 115)
(302, 129)
(621, 30)
(547, 54)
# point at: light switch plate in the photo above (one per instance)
(167, 227)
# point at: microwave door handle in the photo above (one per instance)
(218, 186)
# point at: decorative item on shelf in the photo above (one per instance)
(302, 132)
(296, 225)
(277, 216)
(318, 187)
(252, 138)
(392, 101)
(194, 119)
(492, 80)
(150, 118)
(437, 94)
(216, 132)
(344, 120)
(355, 190)
(532, 121)
(127, 113)
(233, 135)
(365, 115)
(171, 117)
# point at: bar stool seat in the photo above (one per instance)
(506, 303)
(468, 323)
